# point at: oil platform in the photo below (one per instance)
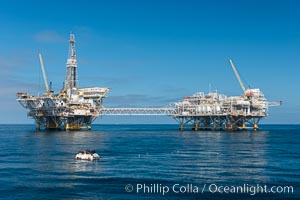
(212, 111)
(76, 108)
(72, 108)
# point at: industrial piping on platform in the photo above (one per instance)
(75, 108)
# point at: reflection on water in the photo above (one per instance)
(216, 156)
(85, 166)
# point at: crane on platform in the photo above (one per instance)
(237, 76)
(44, 73)
(76, 108)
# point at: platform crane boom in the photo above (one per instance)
(44, 73)
(237, 76)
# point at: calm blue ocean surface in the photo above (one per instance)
(41, 164)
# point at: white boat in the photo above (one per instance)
(87, 155)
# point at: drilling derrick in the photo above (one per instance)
(71, 75)
(73, 108)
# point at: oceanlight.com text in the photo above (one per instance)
(163, 189)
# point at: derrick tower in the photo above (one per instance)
(72, 108)
(71, 75)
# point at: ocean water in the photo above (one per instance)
(142, 161)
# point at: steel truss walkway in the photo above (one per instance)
(138, 111)
(199, 120)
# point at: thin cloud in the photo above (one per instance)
(48, 36)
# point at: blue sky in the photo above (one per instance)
(151, 53)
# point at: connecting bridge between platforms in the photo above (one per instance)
(197, 121)
(138, 111)
(75, 108)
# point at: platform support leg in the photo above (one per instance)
(255, 127)
(229, 127)
(38, 127)
(196, 126)
(181, 127)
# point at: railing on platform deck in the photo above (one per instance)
(138, 111)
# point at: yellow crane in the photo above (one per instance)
(44, 73)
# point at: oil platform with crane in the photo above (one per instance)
(72, 108)
(211, 111)
(215, 111)
(76, 108)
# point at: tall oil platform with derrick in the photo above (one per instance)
(72, 108)
(76, 108)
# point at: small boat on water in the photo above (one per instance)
(87, 155)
